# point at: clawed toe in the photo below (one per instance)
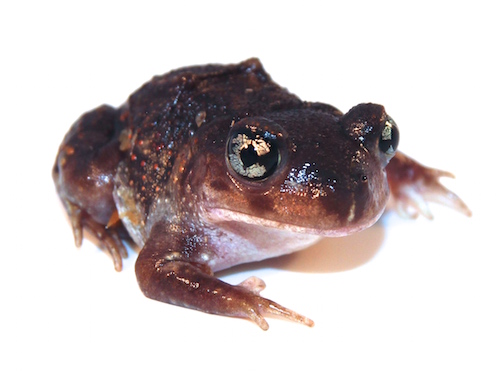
(412, 199)
(258, 306)
(110, 241)
(253, 284)
(413, 186)
(268, 307)
(283, 312)
(107, 236)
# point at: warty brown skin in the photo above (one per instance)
(173, 166)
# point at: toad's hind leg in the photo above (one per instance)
(84, 177)
(412, 185)
(167, 272)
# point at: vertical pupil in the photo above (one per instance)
(249, 156)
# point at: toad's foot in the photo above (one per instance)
(254, 285)
(193, 286)
(413, 185)
(107, 235)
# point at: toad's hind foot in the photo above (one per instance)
(414, 185)
(108, 236)
(110, 240)
(84, 172)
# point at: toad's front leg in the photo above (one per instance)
(168, 275)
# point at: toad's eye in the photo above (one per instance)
(389, 138)
(254, 149)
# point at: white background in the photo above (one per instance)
(404, 297)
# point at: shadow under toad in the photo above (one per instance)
(327, 256)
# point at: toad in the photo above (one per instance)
(211, 166)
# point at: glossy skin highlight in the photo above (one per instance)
(211, 166)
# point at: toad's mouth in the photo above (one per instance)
(220, 215)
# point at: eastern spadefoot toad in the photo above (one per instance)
(210, 166)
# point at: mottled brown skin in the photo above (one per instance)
(160, 165)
